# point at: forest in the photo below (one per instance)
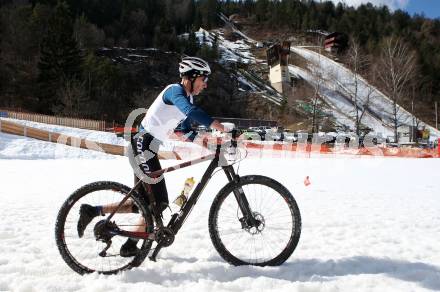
(49, 64)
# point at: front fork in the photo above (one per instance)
(248, 219)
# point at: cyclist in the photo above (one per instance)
(173, 106)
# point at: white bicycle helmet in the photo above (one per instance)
(193, 67)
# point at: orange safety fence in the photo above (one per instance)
(325, 149)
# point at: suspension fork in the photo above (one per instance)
(240, 196)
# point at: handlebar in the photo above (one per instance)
(223, 147)
(235, 134)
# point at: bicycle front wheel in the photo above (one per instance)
(276, 236)
(84, 254)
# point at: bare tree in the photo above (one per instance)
(318, 86)
(73, 97)
(358, 63)
(88, 35)
(318, 82)
(397, 66)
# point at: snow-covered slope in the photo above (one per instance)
(373, 229)
(339, 87)
(341, 106)
(239, 51)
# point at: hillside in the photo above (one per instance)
(117, 56)
(234, 89)
(337, 88)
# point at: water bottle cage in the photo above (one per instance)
(180, 200)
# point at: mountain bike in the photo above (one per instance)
(253, 220)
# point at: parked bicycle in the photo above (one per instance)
(253, 220)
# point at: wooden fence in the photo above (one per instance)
(16, 129)
(54, 120)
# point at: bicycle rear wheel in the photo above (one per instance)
(82, 254)
(274, 239)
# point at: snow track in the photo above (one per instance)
(369, 224)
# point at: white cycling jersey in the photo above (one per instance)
(161, 119)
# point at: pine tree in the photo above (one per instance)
(261, 10)
(215, 47)
(192, 45)
(165, 37)
(60, 59)
(209, 10)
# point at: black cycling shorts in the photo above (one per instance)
(139, 145)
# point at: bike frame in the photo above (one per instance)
(178, 219)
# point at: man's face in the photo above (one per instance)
(200, 83)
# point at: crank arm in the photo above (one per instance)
(103, 253)
(155, 252)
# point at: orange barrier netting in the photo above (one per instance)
(372, 151)
(279, 150)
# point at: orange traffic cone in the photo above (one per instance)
(307, 181)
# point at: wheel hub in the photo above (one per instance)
(256, 228)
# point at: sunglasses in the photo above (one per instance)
(205, 79)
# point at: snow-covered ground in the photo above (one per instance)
(369, 224)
